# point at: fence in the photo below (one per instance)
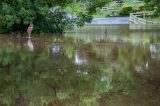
(140, 18)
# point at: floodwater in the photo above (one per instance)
(110, 20)
(104, 65)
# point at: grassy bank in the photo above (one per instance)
(154, 19)
(114, 9)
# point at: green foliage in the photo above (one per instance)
(153, 5)
(100, 15)
(75, 8)
(141, 7)
(126, 10)
(16, 15)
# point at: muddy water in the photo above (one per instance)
(109, 65)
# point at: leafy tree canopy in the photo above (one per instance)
(16, 15)
(153, 4)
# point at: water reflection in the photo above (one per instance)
(30, 44)
(115, 33)
(155, 51)
(80, 58)
(40, 79)
(56, 49)
(71, 72)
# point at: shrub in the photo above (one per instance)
(134, 10)
(126, 10)
(141, 8)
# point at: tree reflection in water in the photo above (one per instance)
(43, 78)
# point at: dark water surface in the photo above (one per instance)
(109, 65)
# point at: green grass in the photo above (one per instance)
(100, 15)
(76, 8)
(154, 19)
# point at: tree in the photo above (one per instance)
(15, 15)
(153, 5)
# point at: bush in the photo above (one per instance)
(126, 10)
(45, 19)
(47, 15)
(57, 22)
(141, 8)
(134, 10)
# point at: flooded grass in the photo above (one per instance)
(112, 67)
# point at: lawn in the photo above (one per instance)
(76, 8)
(154, 19)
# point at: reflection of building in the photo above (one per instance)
(100, 38)
(80, 58)
(57, 49)
(104, 51)
(155, 51)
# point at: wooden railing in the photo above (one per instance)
(113, 8)
(108, 9)
(140, 18)
(117, 4)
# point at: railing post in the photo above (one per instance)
(140, 18)
(144, 15)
